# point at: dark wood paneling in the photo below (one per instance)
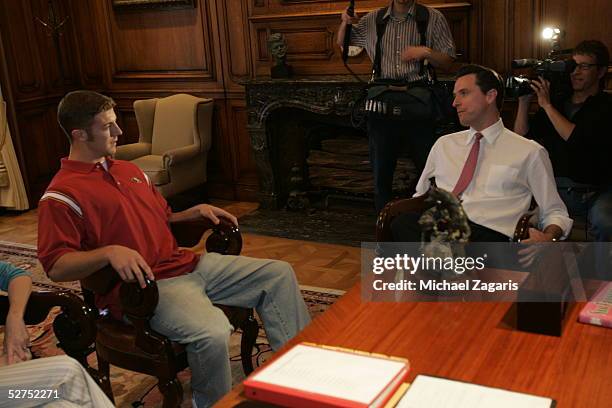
(41, 150)
(55, 40)
(161, 44)
(90, 54)
(20, 44)
(210, 50)
(245, 167)
(311, 36)
(235, 43)
(581, 19)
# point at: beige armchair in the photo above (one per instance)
(175, 136)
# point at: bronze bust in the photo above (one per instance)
(278, 49)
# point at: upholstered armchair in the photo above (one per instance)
(175, 136)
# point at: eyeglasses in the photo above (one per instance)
(584, 66)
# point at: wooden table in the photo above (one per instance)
(471, 342)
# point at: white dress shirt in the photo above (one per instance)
(510, 170)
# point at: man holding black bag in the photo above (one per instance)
(401, 40)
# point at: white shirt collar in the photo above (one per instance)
(489, 134)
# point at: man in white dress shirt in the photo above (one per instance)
(494, 171)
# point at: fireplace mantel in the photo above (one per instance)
(323, 96)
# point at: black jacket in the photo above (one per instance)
(586, 157)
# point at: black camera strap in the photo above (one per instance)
(422, 20)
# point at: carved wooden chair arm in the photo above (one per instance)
(392, 210)
(74, 327)
(224, 239)
(521, 231)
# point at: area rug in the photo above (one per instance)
(351, 226)
(130, 388)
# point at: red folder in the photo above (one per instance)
(298, 398)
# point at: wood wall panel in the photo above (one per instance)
(163, 44)
(311, 36)
(90, 53)
(525, 19)
(236, 43)
(245, 167)
(212, 49)
(590, 19)
(55, 48)
(42, 150)
(494, 47)
(19, 42)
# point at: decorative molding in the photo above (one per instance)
(327, 13)
(173, 76)
(121, 5)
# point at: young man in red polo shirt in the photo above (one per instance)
(98, 212)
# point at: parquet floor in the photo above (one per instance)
(315, 264)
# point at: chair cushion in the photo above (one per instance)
(153, 166)
(175, 123)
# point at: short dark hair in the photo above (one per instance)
(486, 79)
(77, 110)
(597, 50)
(594, 48)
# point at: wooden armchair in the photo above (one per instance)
(419, 205)
(137, 347)
(536, 317)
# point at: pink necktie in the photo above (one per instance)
(469, 167)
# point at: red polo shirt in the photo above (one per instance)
(87, 207)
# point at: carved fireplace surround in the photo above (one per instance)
(322, 96)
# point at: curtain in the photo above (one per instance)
(12, 189)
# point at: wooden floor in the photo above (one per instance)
(315, 264)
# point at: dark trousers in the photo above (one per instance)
(406, 228)
(388, 138)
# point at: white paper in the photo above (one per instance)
(433, 392)
(333, 373)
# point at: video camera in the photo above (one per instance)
(556, 71)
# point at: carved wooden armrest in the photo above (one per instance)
(138, 305)
(225, 238)
(74, 327)
(392, 210)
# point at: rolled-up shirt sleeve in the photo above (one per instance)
(541, 181)
(359, 31)
(440, 34)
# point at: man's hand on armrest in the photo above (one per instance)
(203, 210)
(550, 234)
(129, 264)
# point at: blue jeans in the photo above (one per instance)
(596, 206)
(185, 313)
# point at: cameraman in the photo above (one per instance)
(400, 62)
(577, 133)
